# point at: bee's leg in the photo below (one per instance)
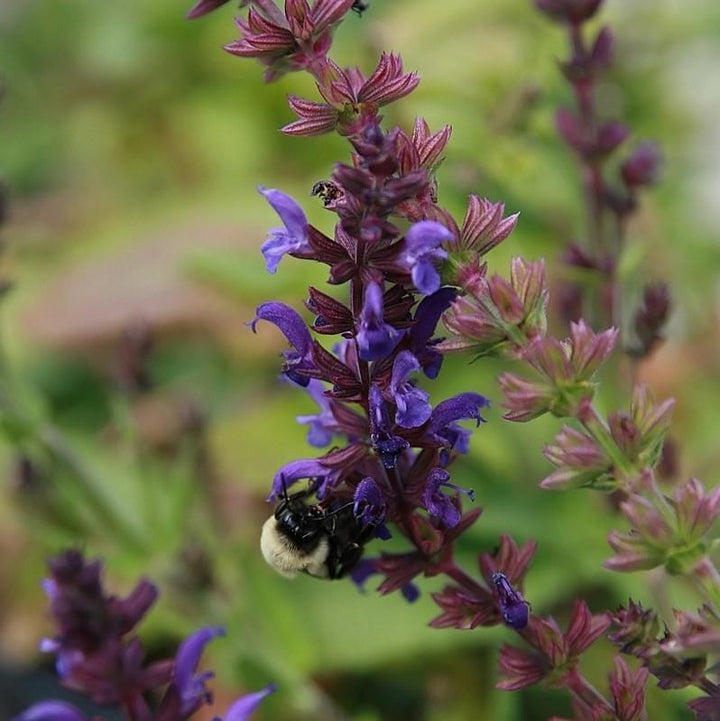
(348, 560)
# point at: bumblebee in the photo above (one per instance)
(307, 538)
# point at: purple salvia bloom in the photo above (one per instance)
(387, 445)
(443, 425)
(297, 470)
(293, 327)
(323, 424)
(422, 250)
(369, 506)
(375, 339)
(437, 504)
(243, 708)
(50, 711)
(426, 319)
(513, 607)
(293, 237)
(189, 685)
(412, 404)
(465, 406)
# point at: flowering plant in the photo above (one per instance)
(408, 284)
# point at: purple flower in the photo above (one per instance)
(292, 326)
(245, 705)
(323, 424)
(369, 505)
(412, 404)
(189, 685)
(443, 426)
(375, 339)
(513, 607)
(422, 250)
(290, 239)
(437, 504)
(426, 319)
(305, 468)
(387, 445)
(50, 711)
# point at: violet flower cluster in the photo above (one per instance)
(98, 654)
(398, 253)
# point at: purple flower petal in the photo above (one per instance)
(293, 237)
(369, 507)
(191, 686)
(428, 314)
(323, 424)
(245, 705)
(387, 445)
(437, 504)
(465, 406)
(362, 571)
(50, 711)
(412, 404)
(297, 470)
(513, 607)
(375, 339)
(410, 592)
(293, 327)
(422, 250)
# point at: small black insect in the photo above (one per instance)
(359, 6)
(328, 192)
(302, 537)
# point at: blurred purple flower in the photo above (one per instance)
(293, 237)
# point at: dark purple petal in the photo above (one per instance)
(465, 406)
(50, 711)
(428, 314)
(410, 592)
(387, 445)
(245, 705)
(362, 571)
(191, 686)
(293, 237)
(369, 505)
(513, 607)
(437, 504)
(297, 470)
(412, 404)
(375, 339)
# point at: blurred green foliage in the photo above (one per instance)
(132, 145)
